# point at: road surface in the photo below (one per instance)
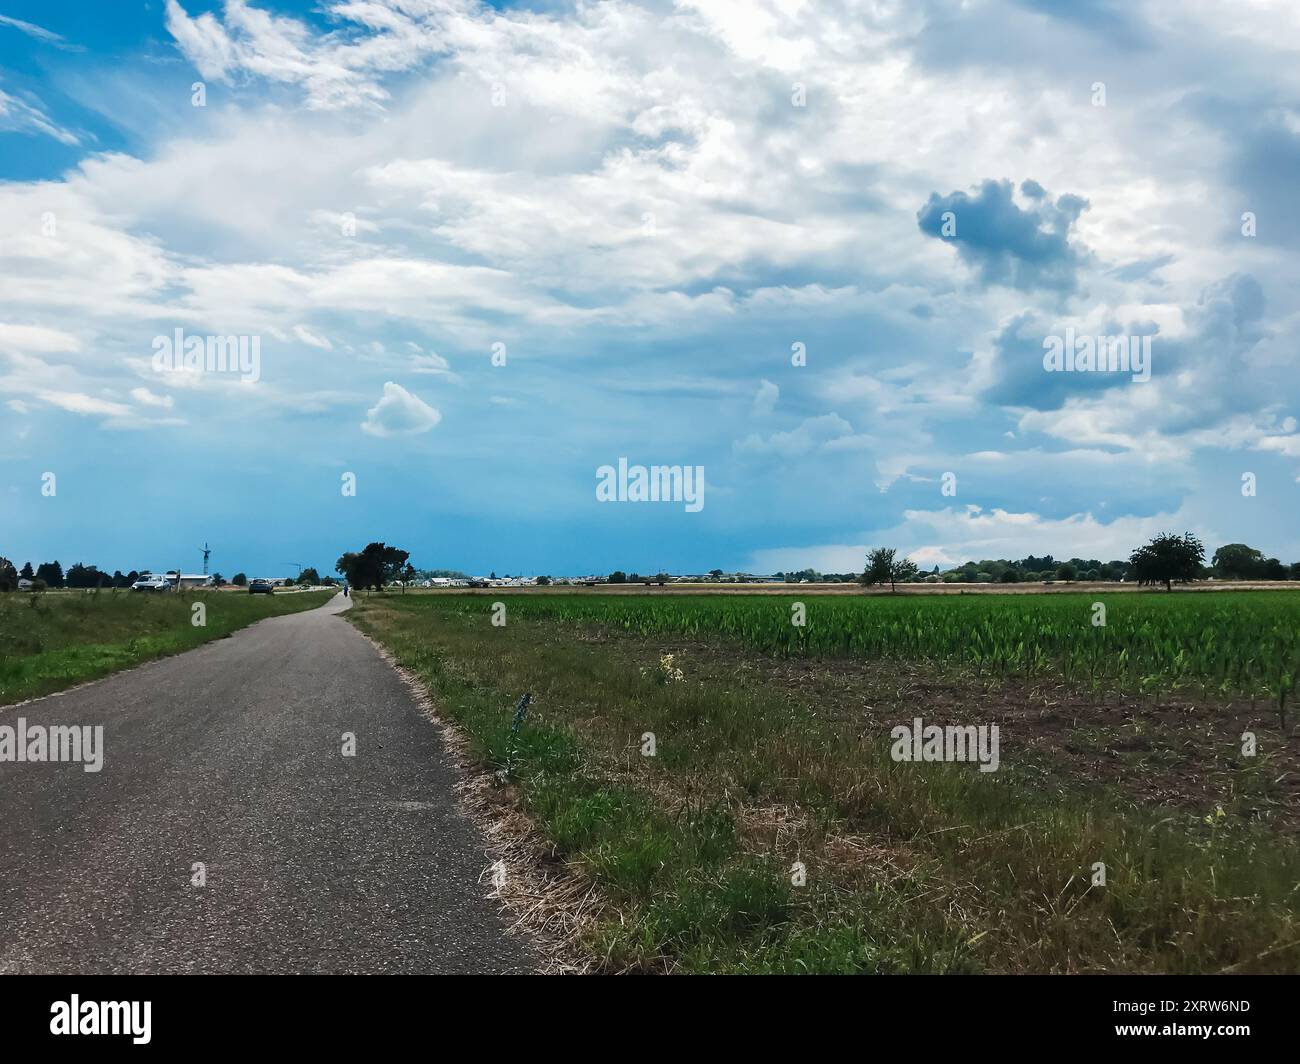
(231, 756)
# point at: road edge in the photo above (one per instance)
(547, 900)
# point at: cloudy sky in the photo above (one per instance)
(650, 213)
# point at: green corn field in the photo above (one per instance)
(1225, 643)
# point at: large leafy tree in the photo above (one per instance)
(378, 564)
(1236, 561)
(1168, 558)
(8, 575)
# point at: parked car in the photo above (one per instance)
(152, 583)
(261, 587)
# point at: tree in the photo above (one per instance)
(1236, 561)
(716, 574)
(882, 565)
(51, 573)
(8, 575)
(86, 576)
(1168, 558)
(27, 573)
(617, 577)
(543, 581)
(378, 564)
(239, 580)
(309, 576)
(1065, 571)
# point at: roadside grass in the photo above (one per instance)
(52, 641)
(909, 867)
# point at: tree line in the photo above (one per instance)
(51, 575)
(1167, 559)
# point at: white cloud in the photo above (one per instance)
(79, 403)
(147, 398)
(399, 413)
(429, 362)
(22, 116)
(812, 434)
(765, 398)
(40, 33)
(35, 338)
(312, 339)
(950, 537)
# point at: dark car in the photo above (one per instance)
(261, 587)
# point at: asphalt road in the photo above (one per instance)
(231, 755)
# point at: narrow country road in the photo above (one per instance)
(231, 756)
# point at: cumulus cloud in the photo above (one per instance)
(1027, 247)
(399, 413)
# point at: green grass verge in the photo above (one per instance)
(53, 641)
(910, 868)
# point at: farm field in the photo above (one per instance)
(55, 640)
(772, 830)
